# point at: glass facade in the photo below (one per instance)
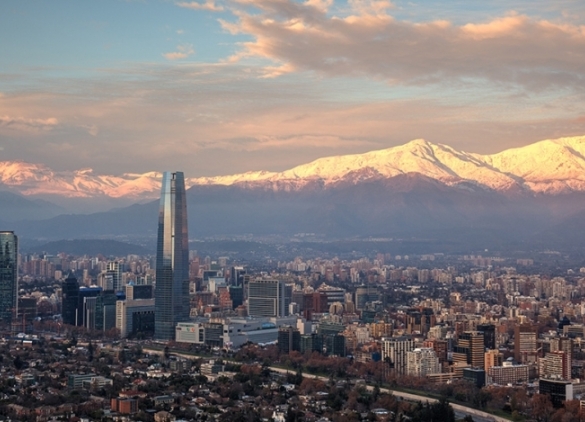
(70, 301)
(172, 258)
(8, 276)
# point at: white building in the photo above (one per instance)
(396, 349)
(234, 332)
(422, 361)
(128, 311)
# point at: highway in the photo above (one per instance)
(460, 411)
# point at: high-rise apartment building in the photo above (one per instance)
(422, 361)
(555, 366)
(395, 349)
(8, 276)
(172, 258)
(269, 298)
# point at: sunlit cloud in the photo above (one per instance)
(183, 51)
(24, 123)
(209, 5)
(514, 49)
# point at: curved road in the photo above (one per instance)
(460, 411)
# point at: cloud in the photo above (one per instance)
(24, 123)
(368, 42)
(209, 5)
(195, 116)
(93, 130)
(183, 51)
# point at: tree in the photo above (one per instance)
(542, 408)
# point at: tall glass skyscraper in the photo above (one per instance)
(8, 276)
(172, 258)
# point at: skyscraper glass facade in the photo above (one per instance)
(172, 258)
(8, 276)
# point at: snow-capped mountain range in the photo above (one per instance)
(549, 167)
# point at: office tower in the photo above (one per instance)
(86, 306)
(138, 291)
(365, 294)
(289, 339)
(236, 295)
(237, 276)
(115, 270)
(8, 276)
(489, 335)
(172, 258)
(70, 300)
(136, 317)
(105, 312)
(525, 343)
(268, 298)
(471, 344)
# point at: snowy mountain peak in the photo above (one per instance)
(550, 166)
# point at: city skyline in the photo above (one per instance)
(239, 85)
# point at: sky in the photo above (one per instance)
(216, 87)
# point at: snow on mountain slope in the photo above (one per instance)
(36, 179)
(550, 166)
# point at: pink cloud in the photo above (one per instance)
(183, 51)
(25, 123)
(369, 42)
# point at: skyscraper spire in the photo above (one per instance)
(172, 258)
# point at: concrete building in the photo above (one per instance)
(232, 332)
(508, 373)
(134, 316)
(559, 391)
(555, 365)
(269, 298)
(525, 343)
(422, 361)
(395, 350)
(493, 358)
(471, 345)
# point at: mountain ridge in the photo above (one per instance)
(549, 167)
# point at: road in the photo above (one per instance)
(460, 411)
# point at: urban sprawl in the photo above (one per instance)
(178, 336)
